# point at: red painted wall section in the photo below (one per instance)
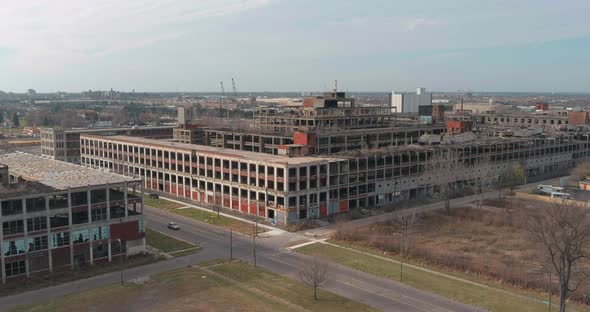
(300, 138)
(306, 139)
(323, 210)
(308, 102)
(577, 118)
(126, 231)
(343, 205)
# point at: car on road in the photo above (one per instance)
(173, 226)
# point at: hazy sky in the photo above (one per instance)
(295, 45)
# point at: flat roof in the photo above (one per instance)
(25, 188)
(57, 174)
(103, 129)
(215, 150)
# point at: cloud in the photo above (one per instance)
(414, 23)
(48, 35)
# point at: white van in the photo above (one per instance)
(548, 189)
(560, 195)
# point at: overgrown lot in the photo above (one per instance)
(492, 243)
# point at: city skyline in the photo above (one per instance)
(268, 45)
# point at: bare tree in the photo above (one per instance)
(314, 275)
(120, 117)
(513, 176)
(406, 224)
(562, 229)
(485, 178)
(448, 167)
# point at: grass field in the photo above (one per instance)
(168, 244)
(294, 291)
(160, 203)
(489, 298)
(203, 216)
(60, 277)
(222, 221)
(191, 289)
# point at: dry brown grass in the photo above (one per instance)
(494, 245)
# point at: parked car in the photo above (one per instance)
(154, 196)
(173, 226)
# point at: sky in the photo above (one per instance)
(295, 45)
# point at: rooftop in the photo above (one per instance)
(106, 129)
(57, 174)
(21, 189)
(214, 150)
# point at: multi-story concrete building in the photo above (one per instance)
(329, 111)
(326, 157)
(403, 102)
(56, 215)
(289, 189)
(239, 180)
(64, 144)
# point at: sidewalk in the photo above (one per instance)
(43, 294)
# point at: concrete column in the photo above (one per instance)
(89, 198)
(109, 250)
(91, 251)
(222, 190)
(190, 173)
(70, 228)
(248, 186)
(89, 195)
(239, 198)
(49, 240)
(142, 192)
(2, 268)
(266, 190)
(26, 237)
(296, 190)
(125, 199)
(108, 202)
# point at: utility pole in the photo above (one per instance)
(254, 244)
(121, 257)
(401, 258)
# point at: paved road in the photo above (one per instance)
(384, 294)
(380, 293)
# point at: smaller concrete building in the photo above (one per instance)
(64, 144)
(58, 216)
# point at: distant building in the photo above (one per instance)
(185, 115)
(409, 102)
(542, 106)
(31, 93)
(62, 144)
(459, 126)
(32, 131)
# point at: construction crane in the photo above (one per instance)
(221, 101)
